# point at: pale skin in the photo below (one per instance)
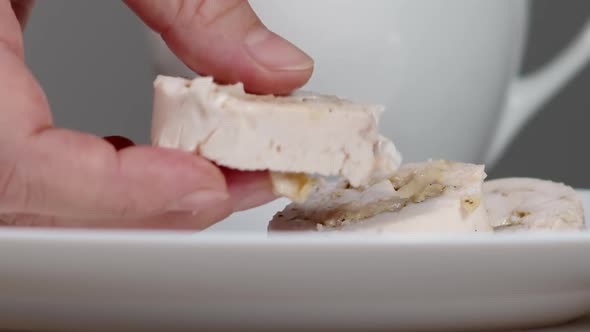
(58, 177)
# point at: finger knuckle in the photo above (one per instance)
(184, 13)
(224, 14)
(210, 11)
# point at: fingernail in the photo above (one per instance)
(199, 200)
(119, 142)
(276, 53)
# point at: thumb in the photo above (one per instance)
(65, 173)
(225, 39)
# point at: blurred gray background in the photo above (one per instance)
(91, 57)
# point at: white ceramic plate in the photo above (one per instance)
(218, 279)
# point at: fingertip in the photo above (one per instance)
(268, 63)
(261, 81)
(275, 53)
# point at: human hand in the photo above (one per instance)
(57, 177)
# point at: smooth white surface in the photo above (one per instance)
(445, 70)
(66, 279)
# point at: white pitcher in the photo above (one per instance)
(445, 70)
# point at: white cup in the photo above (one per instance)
(445, 70)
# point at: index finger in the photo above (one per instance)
(225, 39)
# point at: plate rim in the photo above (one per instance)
(40, 236)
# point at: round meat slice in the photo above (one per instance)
(430, 197)
(516, 204)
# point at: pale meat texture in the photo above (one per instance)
(516, 204)
(428, 197)
(302, 133)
